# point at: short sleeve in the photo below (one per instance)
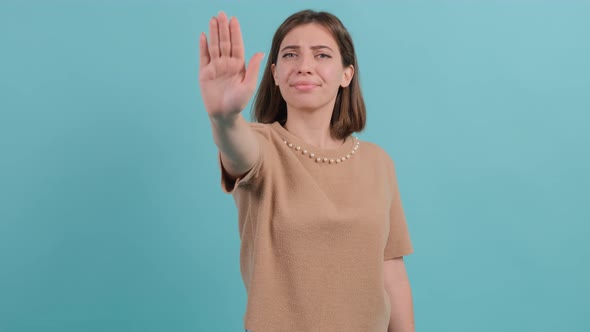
(229, 185)
(398, 243)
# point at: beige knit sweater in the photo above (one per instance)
(314, 235)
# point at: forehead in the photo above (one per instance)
(309, 35)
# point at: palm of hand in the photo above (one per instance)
(226, 84)
(223, 86)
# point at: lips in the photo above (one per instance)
(304, 85)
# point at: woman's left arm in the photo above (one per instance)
(397, 286)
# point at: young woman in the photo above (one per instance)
(323, 233)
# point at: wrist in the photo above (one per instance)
(224, 120)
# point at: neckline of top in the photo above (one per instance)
(342, 150)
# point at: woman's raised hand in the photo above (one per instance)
(226, 84)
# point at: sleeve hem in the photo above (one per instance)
(398, 254)
(229, 186)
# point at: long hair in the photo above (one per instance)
(349, 114)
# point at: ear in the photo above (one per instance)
(274, 74)
(347, 76)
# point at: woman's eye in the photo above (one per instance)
(323, 56)
(288, 55)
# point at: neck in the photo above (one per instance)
(312, 127)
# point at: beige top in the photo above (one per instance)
(314, 235)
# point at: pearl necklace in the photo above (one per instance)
(319, 159)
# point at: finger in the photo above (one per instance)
(224, 42)
(237, 43)
(204, 51)
(252, 70)
(214, 38)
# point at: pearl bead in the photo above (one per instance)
(324, 160)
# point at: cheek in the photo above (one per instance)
(283, 76)
(333, 75)
(332, 70)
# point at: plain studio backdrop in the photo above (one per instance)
(112, 216)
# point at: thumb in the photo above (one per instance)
(252, 69)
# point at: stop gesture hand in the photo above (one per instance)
(226, 84)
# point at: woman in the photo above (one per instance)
(322, 228)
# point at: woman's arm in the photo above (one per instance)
(397, 286)
(237, 145)
(226, 86)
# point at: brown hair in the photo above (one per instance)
(349, 114)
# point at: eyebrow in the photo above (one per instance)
(296, 47)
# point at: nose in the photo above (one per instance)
(305, 64)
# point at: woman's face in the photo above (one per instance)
(309, 68)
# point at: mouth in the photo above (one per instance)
(304, 86)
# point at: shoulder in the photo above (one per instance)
(260, 127)
(262, 130)
(376, 152)
(380, 158)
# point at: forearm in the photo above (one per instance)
(236, 142)
(400, 297)
(402, 312)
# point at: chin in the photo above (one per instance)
(307, 106)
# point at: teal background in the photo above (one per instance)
(111, 211)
